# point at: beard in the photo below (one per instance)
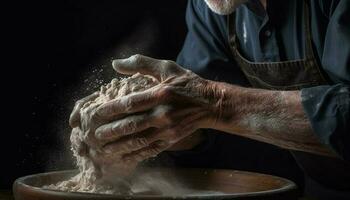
(224, 7)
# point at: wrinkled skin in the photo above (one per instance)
(140, 125)
(135, 127)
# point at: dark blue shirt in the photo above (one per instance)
(276, 34)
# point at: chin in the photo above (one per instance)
(224, 7)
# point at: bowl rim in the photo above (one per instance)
(288, 187)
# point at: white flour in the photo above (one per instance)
(93, 178)
(110, 179)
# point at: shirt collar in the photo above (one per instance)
(256, 7)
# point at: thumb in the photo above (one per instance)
(139, 64)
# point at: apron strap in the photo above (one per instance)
(309, 53)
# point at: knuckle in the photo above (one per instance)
(131, 126)
(140, 142)
(137, 58)
(125, 128)
(116, 129)
(129, 105)
(166, 62)
(104, 132)
(187, 71)
(171, 67)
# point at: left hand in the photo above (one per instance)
(161, 116)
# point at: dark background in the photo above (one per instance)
(61, 50)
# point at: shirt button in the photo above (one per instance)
(268, 33)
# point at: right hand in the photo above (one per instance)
(106, 163)
(109, 164)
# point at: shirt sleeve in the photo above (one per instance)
(328, 106)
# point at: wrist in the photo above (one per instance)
(223, 107)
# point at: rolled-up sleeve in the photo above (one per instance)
(328, 106)
(328, 109)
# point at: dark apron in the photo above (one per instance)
(325, 177)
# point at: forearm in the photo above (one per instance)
(274, 117)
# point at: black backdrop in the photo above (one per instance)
(61, 51)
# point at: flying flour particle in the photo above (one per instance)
(91, 178)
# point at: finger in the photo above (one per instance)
(167, 137)
(160, 116)
(74, 118)
(128, 125)
(126, 145)
(138, 64)
(135, 102)
(147, 152)
(171, 135)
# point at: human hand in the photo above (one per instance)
(148, 122)
(88, 150)
(74, 119)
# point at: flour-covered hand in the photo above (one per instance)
(74, 119)
(161, 116)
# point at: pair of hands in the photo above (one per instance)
(140, 125)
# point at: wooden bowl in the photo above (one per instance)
(224, 184)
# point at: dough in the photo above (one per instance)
(91, 177)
